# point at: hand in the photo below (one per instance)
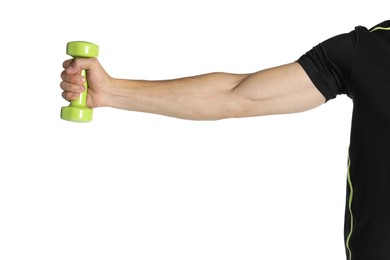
(98, 81)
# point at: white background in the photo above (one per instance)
(139, 186)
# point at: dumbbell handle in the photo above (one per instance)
(81, 101)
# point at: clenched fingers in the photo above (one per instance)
(67, 86)
(70, 96)
(72, 78)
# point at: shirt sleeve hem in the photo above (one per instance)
(318, 83)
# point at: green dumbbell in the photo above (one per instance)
(77, 110)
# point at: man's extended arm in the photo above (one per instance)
(279, 90)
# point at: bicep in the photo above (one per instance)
(280, 90)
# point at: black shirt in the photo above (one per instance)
(358, 64)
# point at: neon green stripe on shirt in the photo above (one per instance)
(380, 28)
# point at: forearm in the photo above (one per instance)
(203, 97)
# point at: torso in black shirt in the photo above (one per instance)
(358, 64)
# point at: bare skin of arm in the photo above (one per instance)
(279, 90)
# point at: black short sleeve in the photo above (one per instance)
(329, 64)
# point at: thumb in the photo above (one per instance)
(80, 64)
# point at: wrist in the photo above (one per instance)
(117, 95)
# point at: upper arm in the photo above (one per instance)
(280, 90)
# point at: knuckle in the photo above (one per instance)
(69, 96)
(65, 64)
(63, 75)
(63, 85)
(65, 95)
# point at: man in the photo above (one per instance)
(355, 63)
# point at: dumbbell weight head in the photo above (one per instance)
(80, 49)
